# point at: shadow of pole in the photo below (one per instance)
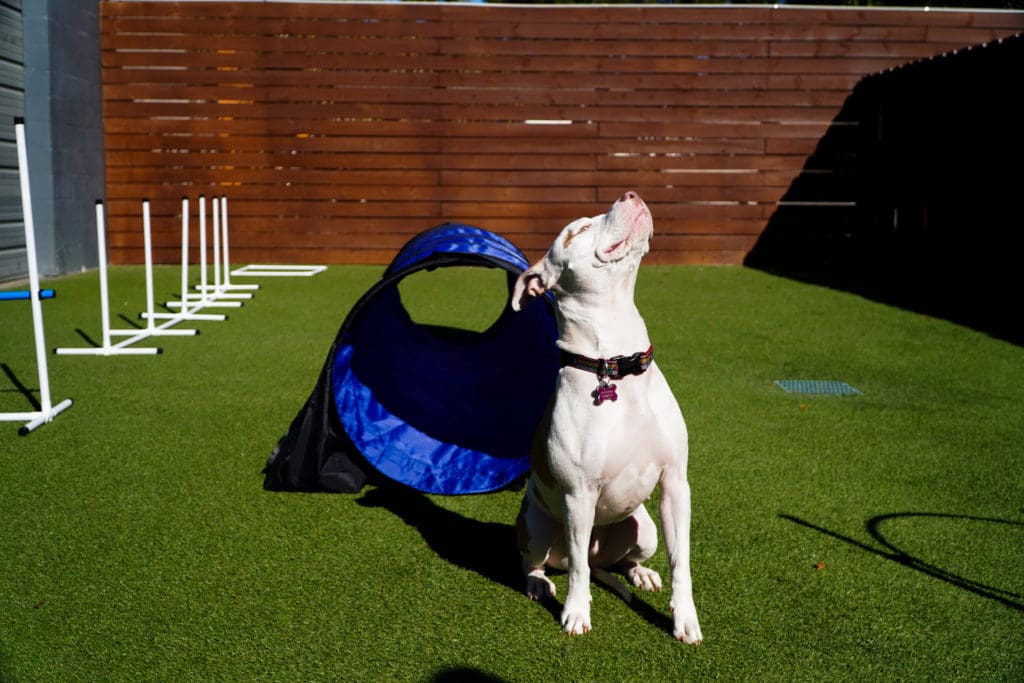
(85, 336)
(128, 321)
(20, 387)
(891, 552)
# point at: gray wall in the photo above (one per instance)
(50, 74)
(64, 129)
(12, 104)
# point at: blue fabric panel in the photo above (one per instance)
(457, 238)
(485, 390)
(442, 410)
(405, 454)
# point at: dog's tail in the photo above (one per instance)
(612, 582)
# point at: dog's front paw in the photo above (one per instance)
(685, 627)
(642, 577)
(539, 586)
(576, 620)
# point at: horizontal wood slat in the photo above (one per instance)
(340, 130)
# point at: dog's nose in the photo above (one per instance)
(629, 196)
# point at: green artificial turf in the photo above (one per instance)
(869, 537)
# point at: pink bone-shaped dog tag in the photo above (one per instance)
(604, 392)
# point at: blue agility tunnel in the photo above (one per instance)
(440, 411)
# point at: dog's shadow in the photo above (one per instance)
(487, 548)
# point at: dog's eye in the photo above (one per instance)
(584, 228)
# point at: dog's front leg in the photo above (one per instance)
(537, 533)
(579, 524)
(675, 522)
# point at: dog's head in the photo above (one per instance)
(590, 252)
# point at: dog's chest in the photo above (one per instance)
(625, 490)
(616, 450)
(620, 479)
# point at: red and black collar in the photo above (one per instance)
(607, 369)
(615, 367)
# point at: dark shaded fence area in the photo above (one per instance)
(922, 208)
(337, 131)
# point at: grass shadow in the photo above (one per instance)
(19, 387)
(905, 200)
(890, 551)
(464, 675)
(129, 321)
(656, 618)
(487, 548)
(88, 340)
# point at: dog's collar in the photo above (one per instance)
(606, 369)
(615, 367)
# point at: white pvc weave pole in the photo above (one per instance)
(105, 348)
(202, 250)
(47, 410)
(33, 269)
(185, 314)
(216, 244)
(184, 248)
(147, 245)
(227, 259)
(150, 316)
(221, 287)
(101, 248)
(203, 299)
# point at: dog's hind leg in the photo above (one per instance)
(623, 546)
(645, 543)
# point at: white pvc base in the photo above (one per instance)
(270, 270)
(36, 418)
(183, 316)
(114, 350)
(154, 331)
(200, 302)
(217, 291)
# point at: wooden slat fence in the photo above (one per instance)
(337, 131)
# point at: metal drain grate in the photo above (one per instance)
(813, 386)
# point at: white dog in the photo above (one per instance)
(604, 446)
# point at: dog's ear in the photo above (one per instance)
(530, 284)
